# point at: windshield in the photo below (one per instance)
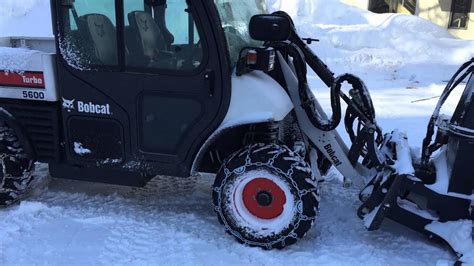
(235, 17)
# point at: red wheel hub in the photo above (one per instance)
(264, 198)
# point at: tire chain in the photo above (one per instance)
(288, 175)
(21, 182)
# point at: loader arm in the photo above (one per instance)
(355, 162)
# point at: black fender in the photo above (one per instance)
(20, 132)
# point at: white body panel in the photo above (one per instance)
(16, 58)
(256, 97)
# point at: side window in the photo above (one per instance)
(379, 6)
(161, 36)
(132, 5)
(460, 14)
(179, 25)
(410, 5)
(89, 33)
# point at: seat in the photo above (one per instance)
(151, 40)
(159, 12)
(102, 33)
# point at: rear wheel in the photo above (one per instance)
(15, 167)
(266, 195)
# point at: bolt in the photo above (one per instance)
(264, 198)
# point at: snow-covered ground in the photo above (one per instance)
(403, 60)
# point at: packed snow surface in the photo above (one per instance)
(404, 60)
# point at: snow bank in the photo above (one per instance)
(354, 39)
(25, 18)
(404, 60)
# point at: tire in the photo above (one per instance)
(265, 195)
(15, 168)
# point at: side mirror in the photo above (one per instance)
(270, 28)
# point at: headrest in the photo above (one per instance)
(103, 34)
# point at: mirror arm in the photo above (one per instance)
(309, 41)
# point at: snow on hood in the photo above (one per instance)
(15, 59)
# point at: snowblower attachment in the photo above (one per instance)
(436, 198)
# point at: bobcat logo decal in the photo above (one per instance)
(144, 25)
(99, 29)
(86, 107)
(68, 104)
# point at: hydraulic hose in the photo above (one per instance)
(307, 98)
(458, 77)
(311, 58)
(359, 104)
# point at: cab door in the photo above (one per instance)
(143, 82)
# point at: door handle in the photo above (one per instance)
(209, 81)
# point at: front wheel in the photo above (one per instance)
(265, 195)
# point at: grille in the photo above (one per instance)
(41, 122)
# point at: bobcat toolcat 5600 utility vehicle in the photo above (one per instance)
(135, 89)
